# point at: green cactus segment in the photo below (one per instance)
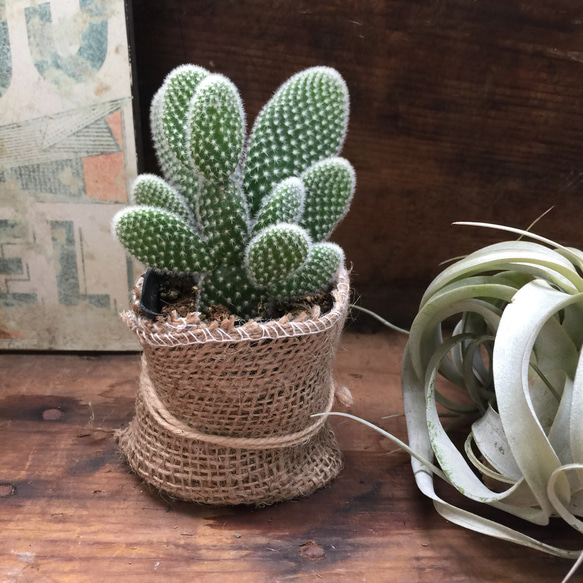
(247, 216)
(150, 190)
(161, 240)
(216, 128)
(187, 184)
(229, 286)
(284, 205)
(168, 136)
(329, 190)
(170, 108)
(167, 160)
(321, 268)
(222, 218)
(304, 122)
(275, 253)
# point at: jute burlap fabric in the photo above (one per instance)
(224, 413)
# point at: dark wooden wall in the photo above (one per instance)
(461, 110)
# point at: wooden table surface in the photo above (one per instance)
(70, 511)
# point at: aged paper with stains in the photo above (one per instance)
(67, 160)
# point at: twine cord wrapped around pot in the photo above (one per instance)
(180, 429)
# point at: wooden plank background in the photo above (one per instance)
(461, 110)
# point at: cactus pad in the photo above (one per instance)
(324, 262)
(275, 253)
(304, 122)
(229, 285)
(329, 189)
(284, 205)
(222, 215)
(215, 128)
(161, 240)
(149, 190)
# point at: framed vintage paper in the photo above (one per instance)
(67, 158)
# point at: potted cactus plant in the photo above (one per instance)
(224, 407)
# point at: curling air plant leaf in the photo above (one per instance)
(514, 361)
(247, 216)
(523, 301)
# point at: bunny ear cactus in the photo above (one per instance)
(248, 215)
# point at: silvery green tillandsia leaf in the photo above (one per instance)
(488, 434)
(515, 362)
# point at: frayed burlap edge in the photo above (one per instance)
(181, 331)
(192, 464)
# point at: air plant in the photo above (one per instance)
(514, 356)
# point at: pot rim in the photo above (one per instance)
(183, 332)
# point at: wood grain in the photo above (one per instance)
(70, 511)
(461, 110)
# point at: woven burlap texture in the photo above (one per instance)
(224, 413)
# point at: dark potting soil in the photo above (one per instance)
(178, 295)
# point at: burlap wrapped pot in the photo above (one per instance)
(223, 412)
